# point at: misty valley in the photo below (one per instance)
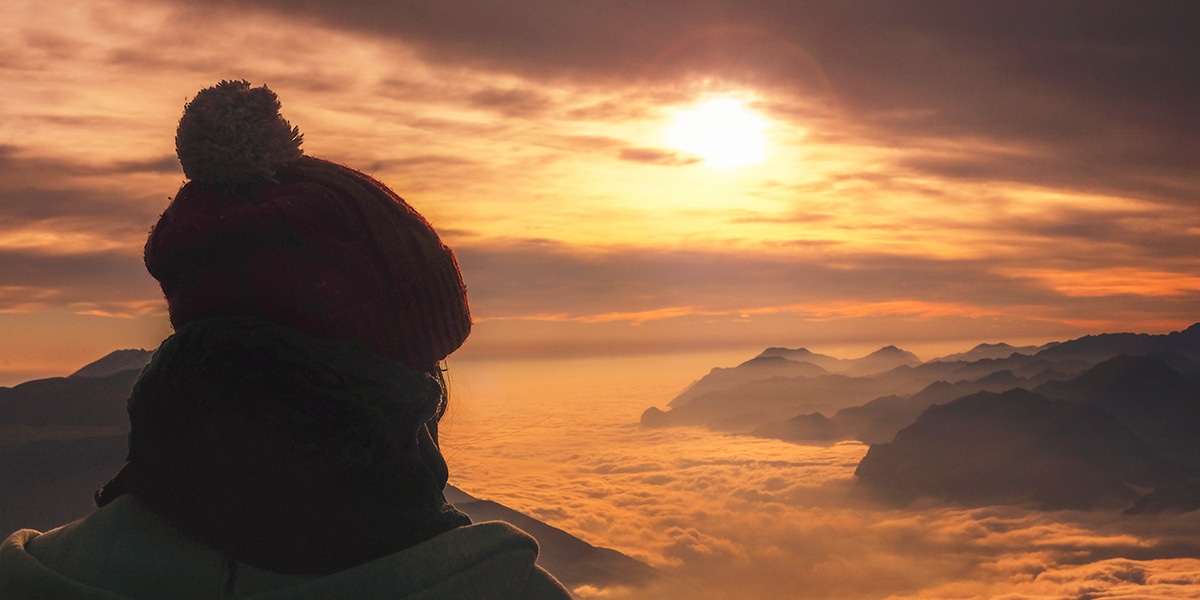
(1101, 421)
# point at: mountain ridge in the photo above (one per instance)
(1015, 447)
(755, 398)
(1113, 418)
(883, 359)
(997, 350)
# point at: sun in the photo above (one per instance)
(721, 131)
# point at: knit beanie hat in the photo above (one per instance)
(261, 230)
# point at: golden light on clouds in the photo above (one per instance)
(722, 131)
(58, 241)
(733, 146)
(1112, 282)
(747, 517)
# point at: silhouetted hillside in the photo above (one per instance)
(761, 396)
(76, 401)
(1146, 395)
(749, 405)
(60, 439)
(1128, 420)
(1097, 348)
(572, 560)
(829, 363)
(1021, 365)
(878, 420)
(48, 483)
(763, 403)
(814, 427)
(883, 359)
(755, 369)
(1016, 447)
(1095, 421)
(992, 351)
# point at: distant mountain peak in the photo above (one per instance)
(887, 357)
(1003, 376)
(780, 351)
(993, 351)
(115, 362)
(763, 360)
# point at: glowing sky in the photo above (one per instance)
(932, 174)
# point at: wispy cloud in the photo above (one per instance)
(1023, 164)
(656, 156)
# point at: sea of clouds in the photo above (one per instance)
(727, 516)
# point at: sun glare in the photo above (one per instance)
(721, 131)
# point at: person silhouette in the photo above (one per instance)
(283, 441)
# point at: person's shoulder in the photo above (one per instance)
(500, 549)
(23, 576)
(483, 561)
(14, 549)
(124, 549)
(543, 586)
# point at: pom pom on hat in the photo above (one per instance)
(263, 231)
(231, 134)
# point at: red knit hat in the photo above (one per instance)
(262, 230)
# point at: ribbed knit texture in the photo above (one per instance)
(324, 249)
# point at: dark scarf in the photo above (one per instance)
(284, 452)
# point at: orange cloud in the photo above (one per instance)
(1111, 281)
(121, 310)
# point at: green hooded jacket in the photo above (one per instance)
(125, 551)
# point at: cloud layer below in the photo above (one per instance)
(739, 517)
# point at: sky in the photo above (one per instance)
(927, 174)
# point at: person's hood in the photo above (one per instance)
(125, 551)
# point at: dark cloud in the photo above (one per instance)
(108, 278)
(510, 102)
(1150, 173)
(1092, 95)
(16, 165)
(163, 164)
(69, 194)
(1146, 238)
(527, 278)
(545, 299)
(72, 238)
(100, 213)
(1076, 236)
(449, 127)
(587, 142)
(53, 44)
(419, 160)
(656, 156)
